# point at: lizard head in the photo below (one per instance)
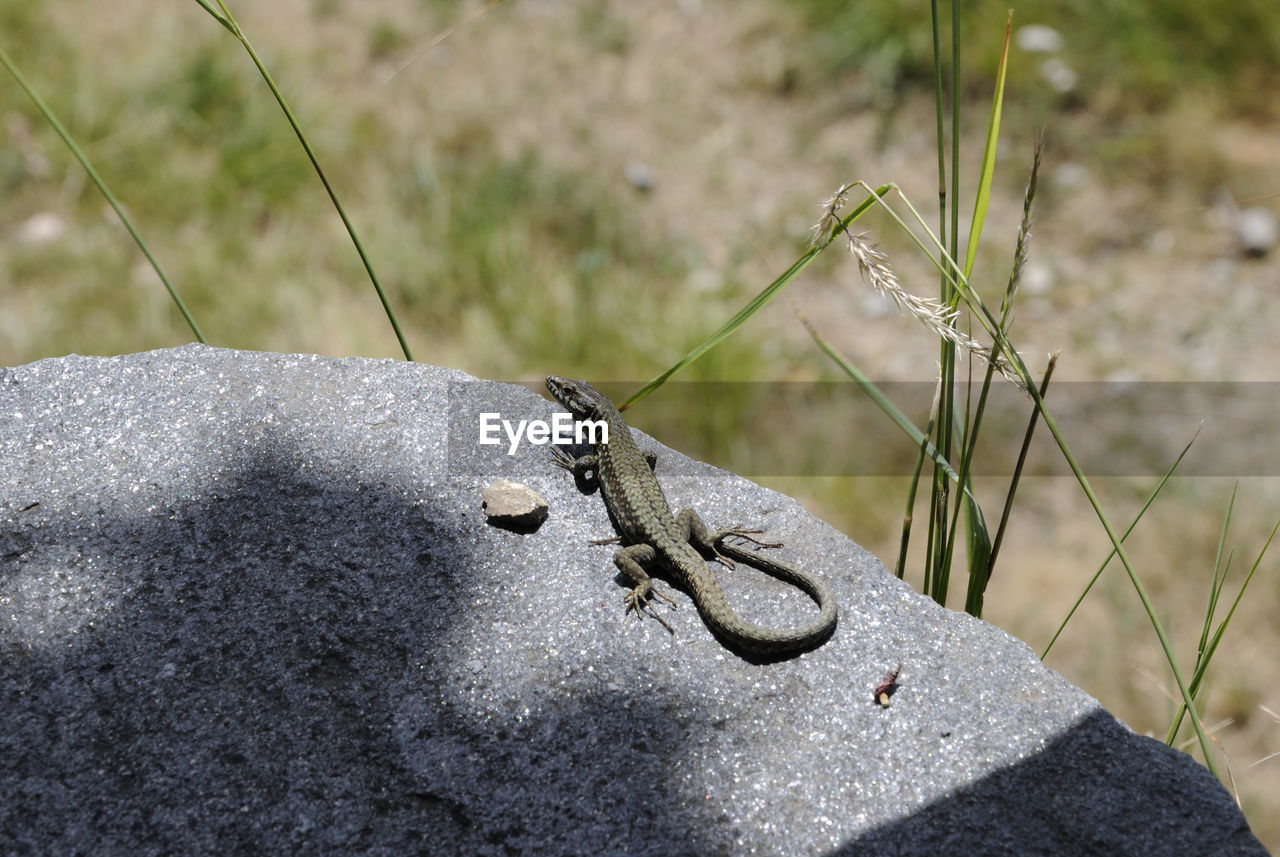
(579, 397)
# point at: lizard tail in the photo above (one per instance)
(769, 643)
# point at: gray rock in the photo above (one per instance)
(640, 175)
(250, 605)
(1257, 231)
(512, 505)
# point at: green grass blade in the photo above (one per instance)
(941, 496)
(1007, 512)
(1202, 664)
(978, 541)
(80, 156)
(1134, 523)
(227, 20)
(940, 126)
(979, 546)
(217, 16)
(900, 568)
(885, 404)
(933, 557)
(979, 537)
(940, 549)
(1219, 573)
(954, 244)
(759, 301)
(983, 198)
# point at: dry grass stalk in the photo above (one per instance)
(930, 312)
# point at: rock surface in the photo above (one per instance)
(249, 604)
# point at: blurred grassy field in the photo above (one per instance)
(592, 188)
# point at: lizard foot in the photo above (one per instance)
(741, 532)
(560, 458)
(638, 600)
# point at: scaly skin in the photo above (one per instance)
(653, 535)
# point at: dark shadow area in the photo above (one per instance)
(236, 672)
(1113, 793)
(240, 689)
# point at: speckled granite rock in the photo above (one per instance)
(249, 604)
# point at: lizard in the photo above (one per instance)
(652, 535)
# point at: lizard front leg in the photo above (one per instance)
(579, 466)
(631, 561)
(583, 464)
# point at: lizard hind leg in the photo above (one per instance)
(695, 532)
(745, 534)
